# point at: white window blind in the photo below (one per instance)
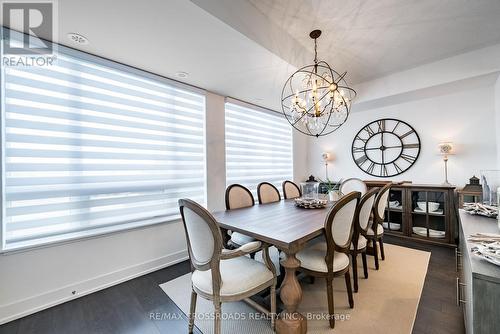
(259, 147)
(91, 146)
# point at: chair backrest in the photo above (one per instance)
(237, 196)
(203, 235)
(291, 190)
(353, 184)
(381, 203)
(340, 221)
(267, 193)
(365, 209)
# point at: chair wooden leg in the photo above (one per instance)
(349, 289)
(273, 307)
(218, 317)
(375, 253)
(192, 310)
(365, 264)
(331, 308)
(381, 243)
(355, 270)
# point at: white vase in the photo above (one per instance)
(333, 196)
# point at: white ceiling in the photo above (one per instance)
(165, 37)
(370, 39)
(247, 48)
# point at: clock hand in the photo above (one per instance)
(383, 150)
(378, 148)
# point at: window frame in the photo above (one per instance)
(103, 231)
(264, 110)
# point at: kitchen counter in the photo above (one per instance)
(478, 281)
(471, 224)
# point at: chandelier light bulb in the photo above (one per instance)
(316, 99)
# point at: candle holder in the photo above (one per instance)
(445, 149)
(326, 157)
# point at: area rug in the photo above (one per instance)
(387, 301)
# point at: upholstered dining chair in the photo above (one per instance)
(361, 226)
(218, 274)
(353, 184)
(375, 232)
(331, 258)
(267, 193)
(238, 196)
(291, 190)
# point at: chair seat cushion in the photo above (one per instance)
(313, 258)
(239, 275)
(240, 239)
(380, 230)
(361, 243)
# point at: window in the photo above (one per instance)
(91, 146)
(259, 147)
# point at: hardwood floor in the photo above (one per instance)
(437, 311)
(128, 307)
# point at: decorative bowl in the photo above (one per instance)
(392, 226)
(433, 206)
(422, 206)
(310, 203)
(422, 231)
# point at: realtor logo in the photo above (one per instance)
(34, 20)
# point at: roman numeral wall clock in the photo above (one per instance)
(386, 147)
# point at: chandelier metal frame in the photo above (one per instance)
(316, 99)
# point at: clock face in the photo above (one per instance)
(386, 147)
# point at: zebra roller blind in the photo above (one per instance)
(91, 146)
(259, 147)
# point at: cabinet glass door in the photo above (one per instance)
(393, 221)
(428, 214)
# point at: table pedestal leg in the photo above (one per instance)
(225, 237)
(290, 321)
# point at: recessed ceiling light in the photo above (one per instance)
(182, 74)
(77, 38)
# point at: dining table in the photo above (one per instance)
(288, 228)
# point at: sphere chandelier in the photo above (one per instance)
(316, 99)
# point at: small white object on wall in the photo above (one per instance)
(326, 157)
(445, 149)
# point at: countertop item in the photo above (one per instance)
(471, 224)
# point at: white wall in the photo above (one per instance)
(37, 279)
(216, 154)
(497, 118)
(456, 117)
(455, 99)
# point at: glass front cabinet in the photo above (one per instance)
(421, 212)
(394, 212)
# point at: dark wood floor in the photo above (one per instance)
(127, 307)
(437, 311)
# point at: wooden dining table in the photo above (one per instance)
(288, 228)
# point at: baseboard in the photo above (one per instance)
(61, 295)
